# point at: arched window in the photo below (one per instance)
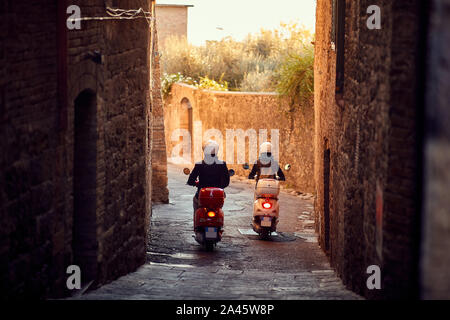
(186, 115)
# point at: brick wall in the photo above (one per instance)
(52, 219)
(245, 110)
(33, 185)
(121, 86)
(402, 199)
(373, 147)
(172, 21)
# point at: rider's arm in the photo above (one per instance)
(193, 176)
(253, 172)
(280, 174)
(225, 176)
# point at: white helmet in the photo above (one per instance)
(211, 147)
(265, 147)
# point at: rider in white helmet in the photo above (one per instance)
(266, 166)
(211, 172)
(210, 151)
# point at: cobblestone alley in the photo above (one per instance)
(290, 266)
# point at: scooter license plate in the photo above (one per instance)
(266, 222)
(210, 233)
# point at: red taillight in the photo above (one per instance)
(267, 205)
(211, 214)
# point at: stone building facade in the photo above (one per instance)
(247, 114)
(160, 194)
(172, 20)
(76, 130)
(369, 89)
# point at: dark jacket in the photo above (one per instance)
(266, 170)
(209, 175)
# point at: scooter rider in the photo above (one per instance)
(211, 172)
(266, 167)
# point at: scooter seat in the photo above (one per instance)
(267, 197)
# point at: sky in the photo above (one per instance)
(216, 19)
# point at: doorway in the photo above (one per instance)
(186, 122)
(84, 237)
(326, 198)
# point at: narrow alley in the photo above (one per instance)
(100, 99)
(290, 266)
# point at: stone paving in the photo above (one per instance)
(289, 266)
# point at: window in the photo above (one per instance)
(339, 39)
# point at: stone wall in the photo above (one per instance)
(261, 112)
(121, 84)
(74, 183)
(33, 189)
(373, 149)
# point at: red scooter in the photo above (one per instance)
(208, 218)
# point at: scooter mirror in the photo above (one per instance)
(186, 171)
(246, 166)
(287, 167)
(231, 172)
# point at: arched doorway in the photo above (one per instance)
(186, 120)
(84, 237)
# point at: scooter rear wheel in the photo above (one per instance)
(265, 234)
(209, 245)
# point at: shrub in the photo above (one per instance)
(295, 77)
(255, 64)
(167, 80)
(256, 81)
(206, 83)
